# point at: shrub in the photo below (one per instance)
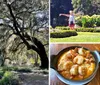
(97, 30)
(88, 21)
(62, 34)
(98, 21)
(24, 69)
(19, 69)
(6, 68)
(8, 79)
(1, 73)
(61, 28)
(87, 30)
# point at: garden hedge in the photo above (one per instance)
(87, 30)
(62, 34)
(88, 21)
(61, 27)
(79, 29)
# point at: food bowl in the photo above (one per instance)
(54, 61)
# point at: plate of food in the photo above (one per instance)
(75, 65)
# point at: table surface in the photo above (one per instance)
(56, 48)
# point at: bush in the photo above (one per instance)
(6, 68)
(8, 79)
(19, 69)
(61, 28)
(62, 34)
(88, 21)
(87, 30)
(97, 30)
(24, 69)
(1, 73)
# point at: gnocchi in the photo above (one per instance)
(76, 64)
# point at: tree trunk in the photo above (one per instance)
(44, 59)
(3, 61)
(36, 60)
(42, 53)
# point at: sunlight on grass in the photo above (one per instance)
(81, 37)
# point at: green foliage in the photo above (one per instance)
(6, 68)
(83, 22)
(8, 79)
(62, 28)
(89, 7)
(88, 21)
(87, 30)
(24, 69)
(19, 69)
(81, 29)
(62, 34)
(32, 61)
(1, 73)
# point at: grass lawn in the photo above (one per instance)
(81, 37)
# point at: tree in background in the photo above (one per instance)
(23, 19)
(89, 7)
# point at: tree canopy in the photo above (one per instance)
(89, 7)
(27, 20)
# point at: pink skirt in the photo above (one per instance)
(71, 25)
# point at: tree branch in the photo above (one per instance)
(10, 36)
(46, 44)
(15, 24)
(19, 44)
(7, 58)
(2, 24)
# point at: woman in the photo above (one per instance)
(71, 19)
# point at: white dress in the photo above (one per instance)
(71, 19)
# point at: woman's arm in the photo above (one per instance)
(78, 14)
(67, 15)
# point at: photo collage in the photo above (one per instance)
(49, 42)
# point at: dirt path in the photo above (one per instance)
(33, 79)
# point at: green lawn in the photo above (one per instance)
(81, 37)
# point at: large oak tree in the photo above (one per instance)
(24, 18)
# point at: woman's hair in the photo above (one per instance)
(70, 11)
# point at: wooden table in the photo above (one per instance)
(56, 48)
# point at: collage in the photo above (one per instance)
(49, 42)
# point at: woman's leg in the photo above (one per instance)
(70, 28)
(73, 27)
